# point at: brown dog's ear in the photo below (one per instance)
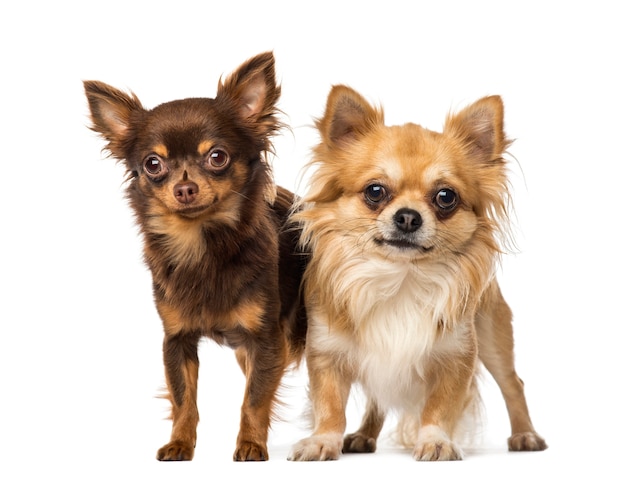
(253, 89)
(481, 127)
(111, 112)
(348, 116)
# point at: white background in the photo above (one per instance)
(80, 341)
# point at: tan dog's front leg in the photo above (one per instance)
(451, 389)
(329, 390)
(180, 356)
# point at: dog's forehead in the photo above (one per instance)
(413, 156)
(184, 114)
(183, 127)
(191, 147)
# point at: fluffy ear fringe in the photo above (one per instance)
(110, 107)
(480, 129)
(111, 112)
(348, 115)
(253, 90)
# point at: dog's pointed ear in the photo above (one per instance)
(479, 129)
(253, 89)
(111, 112)
(347, 116)
(480, 126)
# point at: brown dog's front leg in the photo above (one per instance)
(263, 365)
(180, 356)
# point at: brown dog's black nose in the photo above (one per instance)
(407, 220)
(186, 192)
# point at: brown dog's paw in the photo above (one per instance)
(176, 451)
(526, 442)
(358, 443)
(250, 452)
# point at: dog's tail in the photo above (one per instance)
(293, 262)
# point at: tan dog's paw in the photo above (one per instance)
(437, 451)
(317, 447)
(250, 452)
(434, 444)
(358, 443)
(176, 451)
(526, 442)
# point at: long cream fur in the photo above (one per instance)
(399, 319)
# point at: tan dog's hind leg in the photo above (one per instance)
(364, 439)
(495, 350)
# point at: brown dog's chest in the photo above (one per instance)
(224, 295)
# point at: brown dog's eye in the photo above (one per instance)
(217, 160)
(375, 193)
(154, 166)
(446, 199)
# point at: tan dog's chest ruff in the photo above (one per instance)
(401, 323)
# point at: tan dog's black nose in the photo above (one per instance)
(407, 220)
(186, 192)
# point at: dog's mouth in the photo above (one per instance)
(403, 244)
(192, 212)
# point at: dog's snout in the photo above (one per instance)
(407, 220)
(186, 192)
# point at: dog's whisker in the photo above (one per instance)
(241, 195)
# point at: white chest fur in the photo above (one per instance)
(399, 311)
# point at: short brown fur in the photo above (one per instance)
(224, 262)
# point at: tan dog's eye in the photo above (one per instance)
(375, 194)
(446, 199)
(218, 160)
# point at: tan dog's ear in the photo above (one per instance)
(111, 111)
(254, 91)
(348, 116)
(480, 127)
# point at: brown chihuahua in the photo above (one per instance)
(224, 262)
